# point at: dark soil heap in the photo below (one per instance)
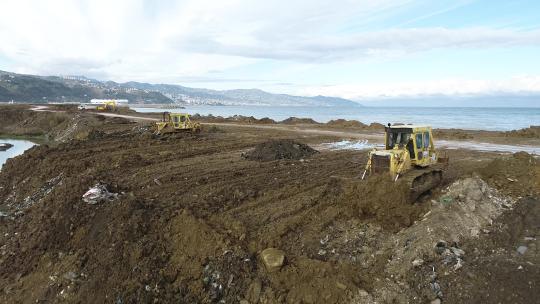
(296, 120)
(280, 149)
(530, 132)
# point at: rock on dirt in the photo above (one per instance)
(273, 259)
(522, 249)
(280, 149)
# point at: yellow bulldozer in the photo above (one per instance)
(107, 106)
(175, 122)
(409, 156)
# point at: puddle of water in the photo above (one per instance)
(19, 146)
(487, 147)
(447, 144)
(350, 145)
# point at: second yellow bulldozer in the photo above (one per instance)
(175, 122)
(409, 156)
(107, 106)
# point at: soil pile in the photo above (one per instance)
(452, 134)
(56, 126)
(17, 121)
(235, 118)
(511, 271)
(382, 200)
(280, 149)
(343, 123)
(517, 175)
(298, 121)
(460, 213)
(530, 132)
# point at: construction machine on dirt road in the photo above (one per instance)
(410, 157)
(175, 122)
(107, 106)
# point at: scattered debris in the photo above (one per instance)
(98, 194)
(418, 262)
(451, 255)
(39, 195)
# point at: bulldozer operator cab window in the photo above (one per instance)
(419, 141)
(175, 118)
(182, 118)
(419, 145)
(426, 140)
(398, 137)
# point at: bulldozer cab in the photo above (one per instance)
(179, 120)
(416, 140)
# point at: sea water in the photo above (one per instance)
(497, 119)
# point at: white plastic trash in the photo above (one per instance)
(98, 194)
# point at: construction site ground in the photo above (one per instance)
(188, 215)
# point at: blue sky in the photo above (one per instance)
(353, 49)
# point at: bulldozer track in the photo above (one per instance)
(421, 181)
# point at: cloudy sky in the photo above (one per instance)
(355, 49)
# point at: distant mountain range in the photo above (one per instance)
(31, 88)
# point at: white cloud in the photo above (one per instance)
(171, 41)
(527, 84)
(153, 40)
(325, 48)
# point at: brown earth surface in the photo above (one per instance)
(192, 216)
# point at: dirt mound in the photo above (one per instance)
(343, 123)
(459, 213)
(452, 134)
(384, 201)
(298, 121)
(354, 124)
(266, 120)
(376, 126)
(530, 132)
(56, 126)
(280, 149)
(16, 121)
(235, 118)
(506, 273)
(517, 175)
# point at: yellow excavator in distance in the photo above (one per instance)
(409, 155)
(175, 122)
